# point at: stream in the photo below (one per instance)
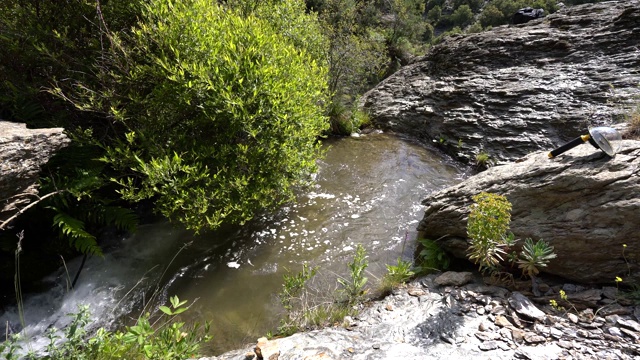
(368, 191)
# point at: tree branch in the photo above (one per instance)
(21, 211)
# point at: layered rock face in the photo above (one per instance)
(22, 153)
(516, 89)
(583, 203)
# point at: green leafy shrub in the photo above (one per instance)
(434, 14)
(487, 228)
(221, 111)
(491, 16)
(164, 339)
(431, 257)
(397, 274)
(463, 16)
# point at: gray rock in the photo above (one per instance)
(510, 91)
(523, 306)
(545, 352)
(22, 153)
(614, 331)
(629, 324)
(577, 202)
(452, 278)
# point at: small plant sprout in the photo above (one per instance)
(398, 274)
(535, 256)
(354, 287)
(483, 160)
(176, 304)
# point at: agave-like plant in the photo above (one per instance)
(535, 256)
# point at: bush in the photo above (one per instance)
(475, 5)
(434, 14)
(431, 257)
(165, 338)
(487, 228)
(463, 16)
(221, 111)
(491, 16)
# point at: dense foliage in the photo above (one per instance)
(209, 110)
(220, 112)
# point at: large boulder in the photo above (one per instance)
(22, 153)
(517, 89)
(583, 203)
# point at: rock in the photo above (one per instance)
(517, 335)
(525, 307)
(517, 89)
(629, 324)
(488, 345)
(614, 309)
(588, 298)
(533, 338)
(545, 352)
(573, 318)
(614, 331)
(452, 278)
(577, 202)
(268, 350)
(503, 321)
(22, 153)
(632, 334)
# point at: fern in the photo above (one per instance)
(74, 229)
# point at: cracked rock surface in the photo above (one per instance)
(517, 89)
(584, 203)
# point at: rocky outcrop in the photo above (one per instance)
(517, 89)
(22, 153)
(474, 321)
(583, 203)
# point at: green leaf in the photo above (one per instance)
(165, 310)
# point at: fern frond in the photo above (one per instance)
(122, 218)
(74, 230)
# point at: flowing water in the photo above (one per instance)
(368, 191)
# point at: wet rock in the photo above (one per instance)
(22, 153)
(452, 278)
(523, 306)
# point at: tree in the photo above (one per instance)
(434, 14)
(463, 16)
(475, 5)
(220, 110)
(491, 16)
